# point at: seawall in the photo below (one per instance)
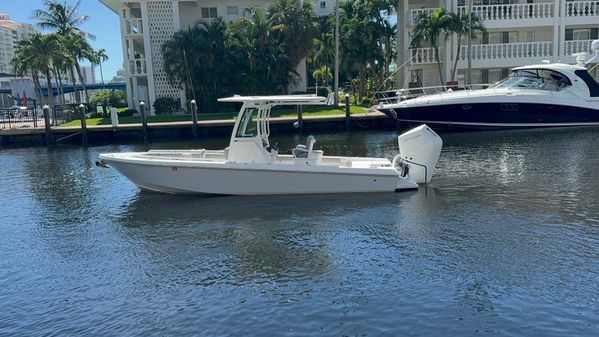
(183, 130)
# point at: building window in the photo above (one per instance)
(232, 10)
(323, 5)
(582, 34)
(209, 12)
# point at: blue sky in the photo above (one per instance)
(103, 23)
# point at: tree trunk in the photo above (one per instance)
(101, 74)
(362, 80)
(59, 85)
(50, 100)
(77, 93)
(38, 88)
(457, 57)
(439, 65)
(62, 97)
(80, 74)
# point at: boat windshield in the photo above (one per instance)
(542, 79)
(248, 126)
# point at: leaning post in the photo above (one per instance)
(49, 138)
(144, 121)
(83, 124)
(347, 113)
(194, 119)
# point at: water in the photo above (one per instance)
(506, 242)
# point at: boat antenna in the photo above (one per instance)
(193, 93)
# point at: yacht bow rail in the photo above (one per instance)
(395, 96)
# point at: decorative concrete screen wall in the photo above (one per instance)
(162, 28)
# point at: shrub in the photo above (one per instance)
(127, 112)
(366, 101)
(165, 105)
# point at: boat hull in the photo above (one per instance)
(235, 179)
(495, 115)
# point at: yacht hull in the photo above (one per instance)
(495, 115)
(257, 179)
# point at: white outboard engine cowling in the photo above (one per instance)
(419, 151)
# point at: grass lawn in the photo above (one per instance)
(276, 112)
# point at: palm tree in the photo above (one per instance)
(429, 27)
(459, 25)
(100, 57)
(267, 64)
(323, 75)
(299, 27)
(77, 49)
(62, 18)
(23, 65)
(39, 51)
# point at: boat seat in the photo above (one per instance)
(302, 151)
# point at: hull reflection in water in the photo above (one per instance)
(262, 239)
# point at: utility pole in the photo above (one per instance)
(336, 98)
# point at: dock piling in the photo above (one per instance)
(144, 121)
(83, 124)
(194, 118)
(48, 128)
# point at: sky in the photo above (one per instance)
(102, 22)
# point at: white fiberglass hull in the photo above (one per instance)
(256, 179)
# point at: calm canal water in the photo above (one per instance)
(506, 242)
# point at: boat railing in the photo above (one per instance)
(395, 96)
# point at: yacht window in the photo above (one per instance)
(590, 82)
(248, 126)
(542, 79)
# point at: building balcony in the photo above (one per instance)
(415, 14)
(424, 56)
(497, 16)
(582, 8)
(582, 12)
(137, 67)
(577, 46)
(504, 55)
(508, 50)
(133, 27)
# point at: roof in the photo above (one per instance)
(279, 100)
(114, 5)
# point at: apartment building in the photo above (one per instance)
(147, 24)
(519, 32)
(10, 34)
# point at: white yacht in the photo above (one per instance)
(541, 95)
(251, 165)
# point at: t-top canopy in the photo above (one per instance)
(277, 100)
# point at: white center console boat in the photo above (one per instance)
(251, 165)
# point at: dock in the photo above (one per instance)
(183, 130)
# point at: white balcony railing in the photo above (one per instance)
(508, 50)
(582, 8)
(415, 13)
(137, 67)
(512, 12)
(133, 27)
(571, 47)
(424, 56)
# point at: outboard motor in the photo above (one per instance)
(419, 151)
